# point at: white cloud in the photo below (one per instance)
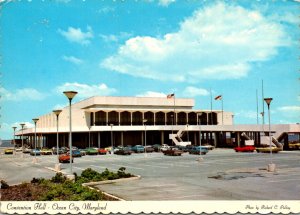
(205, 47)
(115, 37)
(72, 59)
(77, 36)
(165, 3)
(290, 109)
(105, 10)
(21, 94)
(152, 94)
(85, 91)
(194, 91)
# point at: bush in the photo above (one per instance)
(59, 178)
(89, 174)
(37, 180)
(4, 185)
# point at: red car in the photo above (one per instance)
(65, 158)
(102, 151)
(244, 149)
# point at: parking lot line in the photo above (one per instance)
(78, 168)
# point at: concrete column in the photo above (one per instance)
(119, 113)
(238, 138)
(154, 115)
(106, 118)
(94, 118)
(162, 137)
(122, 138)
(165, 118)
(99, 143)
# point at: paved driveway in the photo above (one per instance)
(222, 174)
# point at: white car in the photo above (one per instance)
(164, 147)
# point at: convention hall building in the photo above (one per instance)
(104, 121)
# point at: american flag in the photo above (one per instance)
(218, 97)
(169, 96)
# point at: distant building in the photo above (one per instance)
(103, 121)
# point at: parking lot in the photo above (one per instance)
(222, 174)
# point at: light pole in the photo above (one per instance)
(199, 121)
(22, 127)
(111, 139)
(70, 95)
(145, 152)
(14, 141)
(57, 112)
(35, 121)
(271, 166)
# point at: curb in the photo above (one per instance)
(110, 182)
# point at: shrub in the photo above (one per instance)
(4, 185)
(89, 173)
(59, 178)
(37, 180)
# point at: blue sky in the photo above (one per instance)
(149, 48)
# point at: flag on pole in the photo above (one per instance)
(218, 97)
(169, 96)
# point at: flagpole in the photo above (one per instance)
(222, 110)
(211, 121)
(256, 107)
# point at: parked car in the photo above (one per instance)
(63, 158)
(294, 145)
(197, 150)
(138, 148)
(26, 150)
(91, 151)
(267, 149)
(164, 147)
(102, 151)
(123, 151)
(64, 149)
(149, 149)
(109, 149)
(46, 151)
(76, 153)
(182, 148)
(207, 146)
(18, 149)
(156, 147)
(34, 152)
(173, 151)
(82, 152)
(9, 151)
(60, 151)
(244, 149)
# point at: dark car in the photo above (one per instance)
(197, 150)
(138, 148)
(156, 147)
(123, 151)
(60, 151)
(149, 149)
(173, 151)
(245, 149)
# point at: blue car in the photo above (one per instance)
(75, 153)
(35, 152)
(138, 148)
(197, 149)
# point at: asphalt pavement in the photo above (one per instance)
(222, 174)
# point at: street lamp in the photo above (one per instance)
(22, 127)
(199, 122)
(14, 141)
(57, 112)
(70, 95)
(35, 121)
(111, 138)
(145, 152)
(271, 166)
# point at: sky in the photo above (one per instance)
(195, 49)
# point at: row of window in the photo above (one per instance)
(150, 118)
